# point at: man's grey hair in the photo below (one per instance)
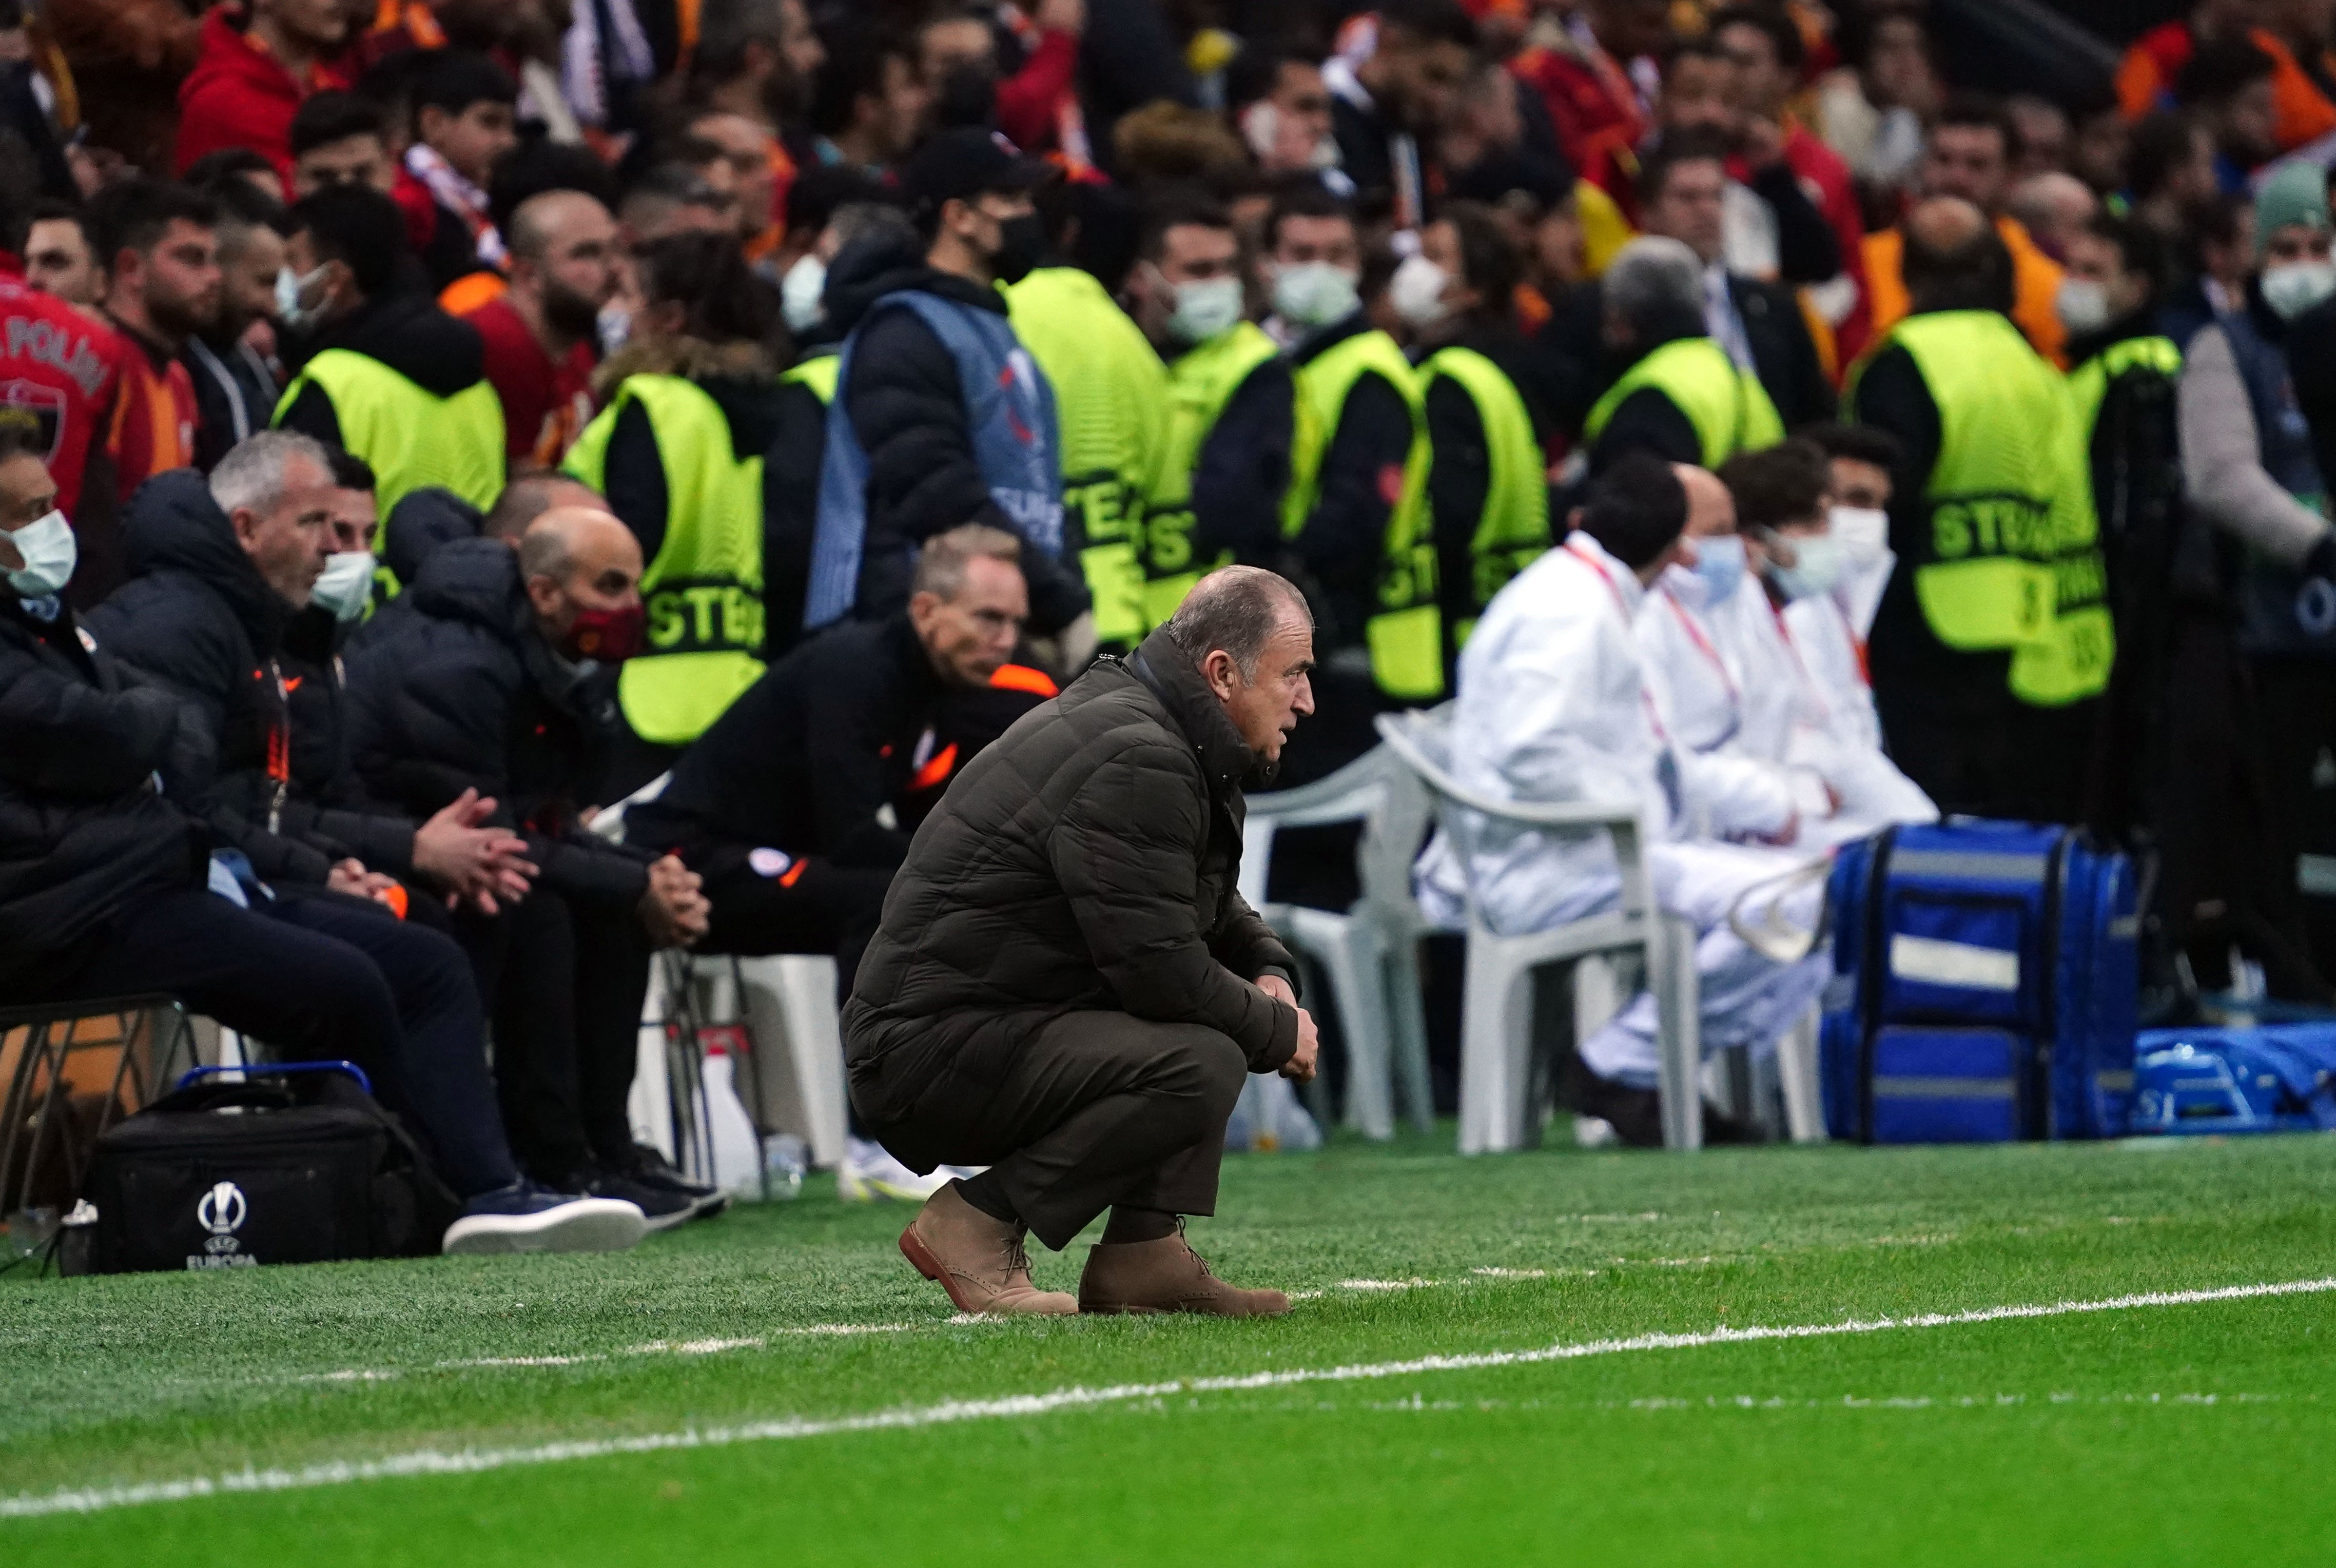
(543, 552)
(942, 564)
(1654, 280)
(253, 477)
(1236, 608)
(857, 220)
(529, 497)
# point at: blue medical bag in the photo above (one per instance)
(2279, 1078)
(1984, 986)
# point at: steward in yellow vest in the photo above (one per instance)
(383, 375)
(1682, 398)
(1995, 631)
(679, 452)
(1489, 486)
(1110, 393)
(1223, 462)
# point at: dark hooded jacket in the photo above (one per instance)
(906, 406)
(408, 333)
(421, 521)
(83, 830)
(452, 687)
(1088, 860)
(197, 618)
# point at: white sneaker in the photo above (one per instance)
(527, 1218)
(869, 1172)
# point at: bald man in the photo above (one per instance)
(1993, 643)
(541, 331)
(497, 672)
(2055, 207)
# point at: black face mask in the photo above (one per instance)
(1019, 242)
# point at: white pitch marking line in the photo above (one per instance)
(471, 1461)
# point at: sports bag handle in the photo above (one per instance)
(193, 1074)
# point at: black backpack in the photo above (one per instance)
(296, 1163)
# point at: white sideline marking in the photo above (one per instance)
(471, 1461)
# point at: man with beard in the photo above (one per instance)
(539, 333)
(235, 385)
(755, 58)
(158, 243)
(1381, 106)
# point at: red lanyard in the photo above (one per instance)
(1646, 697)
(1696, 635)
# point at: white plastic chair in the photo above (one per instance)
(1370, 953)
(1497, 1023)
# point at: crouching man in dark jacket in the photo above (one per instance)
(495, 671)
(106, 889)
(1067, 987)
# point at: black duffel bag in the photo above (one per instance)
(295, 1164)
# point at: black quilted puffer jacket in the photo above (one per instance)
(1088, 860)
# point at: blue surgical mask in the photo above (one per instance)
(50, 553)
(1720, 562)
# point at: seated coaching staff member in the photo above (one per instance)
(1066, 986)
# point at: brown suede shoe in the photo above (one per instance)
(1166, 1276)
(978, 1259)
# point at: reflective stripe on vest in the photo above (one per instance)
(1111, 392)
(1729, 409)
(1515, 527)
(1404, 634)
(818, 373)
(2089, 384)
(414, 439)
(2011, 558)
(704, 591)
(1201, 382)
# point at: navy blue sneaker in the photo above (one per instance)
(651, 1168)
(527, 1218)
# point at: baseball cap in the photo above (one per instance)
(959, 164)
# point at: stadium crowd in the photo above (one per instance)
(426, 424)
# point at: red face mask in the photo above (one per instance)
(608, 636)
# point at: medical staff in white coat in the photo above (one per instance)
(1554, 705)
(1830, 628)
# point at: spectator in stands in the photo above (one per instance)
(2228, 84)
(1385, 108)
(1972, 147)
(2170, 172)
(1994, 638)
(2043, 130)
(383, 374)
(540, 334)
(1770, 58)
(1680, 395)
(797, 805)
(338, 139)
(103, 894)
(1488, 422)
(259, 61)
(759, 171)
(910, 458)
(2054, 208)
(1586, 81)
(2102, 150)
(1283, 108)
(463, 126)
(681, 452)
(1769, 226)
(160, 243)
(757, 58)
(64, 368)
(492, 673)
(870, 102)
(235, 385)
(59, 258)
(672, 199)
(1554, 707)
(957, 53)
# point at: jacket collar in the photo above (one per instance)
(1621, 583)
(1193, 708)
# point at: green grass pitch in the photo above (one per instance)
(777, 1386)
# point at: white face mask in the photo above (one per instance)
(2294, 288)
(47, 545)
(1205, 307)
(1817, 567)
(1417, 291)
(2082, 305)
(1260, 127)
(1314, 293)
(615, 327)
(800, 291)
(291, 288)
(346, 583)
(1862, 531)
